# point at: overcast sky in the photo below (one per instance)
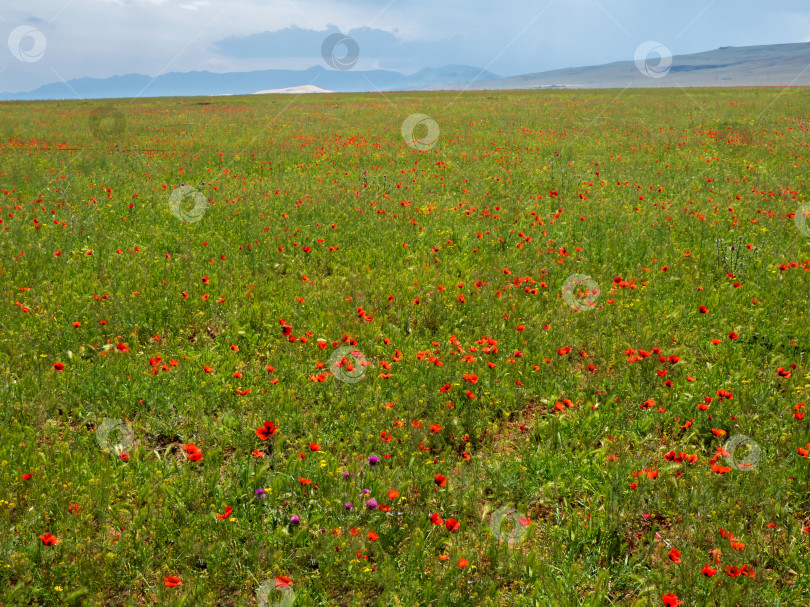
(65, 39)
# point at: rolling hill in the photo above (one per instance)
(769, 65)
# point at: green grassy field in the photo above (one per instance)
(506, 362)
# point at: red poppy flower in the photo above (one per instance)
(670, 600)
(172, 581)
(440, 480)
(48, 539)
(266, 431)
(452, 524)
(436, 519)
(708, 571)
(373, 536)
(58, 366)
(462, 563)
(731, 571)
(196, 456)
(25, 477)
(675, 555)
(228, 512)
(314, 447)
(193, 452)
(782, 372)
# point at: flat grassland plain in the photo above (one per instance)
(548, 349)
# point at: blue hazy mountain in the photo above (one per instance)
(242, 83)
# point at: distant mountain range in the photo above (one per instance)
(770, 65)
(178, 84)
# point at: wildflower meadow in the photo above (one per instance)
(528, 348)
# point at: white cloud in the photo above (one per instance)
(194, 5)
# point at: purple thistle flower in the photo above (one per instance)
(348, 505)
(295, 520)
(373, 460)
(371, 504)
